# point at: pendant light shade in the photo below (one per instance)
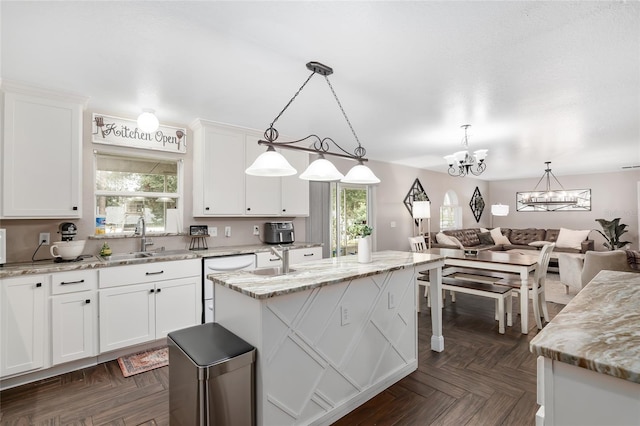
(361, 174)
(322, 170)
(271, 163)
(148, 122)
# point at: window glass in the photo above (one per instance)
(450, 212)
(130, 187)
(349, 206)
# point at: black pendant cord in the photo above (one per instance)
(359, 151)
(271, 134)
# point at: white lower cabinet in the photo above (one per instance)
(74, 315)
(23, 322)
(133, 311)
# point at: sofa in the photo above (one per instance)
(516, 239)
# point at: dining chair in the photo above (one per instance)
(536, 284)
(419, 244)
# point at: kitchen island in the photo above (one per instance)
(331, 334)
(589, 356)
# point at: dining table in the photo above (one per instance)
(501, 261)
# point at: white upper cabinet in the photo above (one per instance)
(221, 153)
(41, 154)
(218, 170)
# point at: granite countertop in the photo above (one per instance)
(319, 273)
(92, 262)
(599, 329)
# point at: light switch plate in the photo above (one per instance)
(345, 315)
(213, 231)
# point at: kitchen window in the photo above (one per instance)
(129, 187)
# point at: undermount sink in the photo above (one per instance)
(143, 255)
(270, 272)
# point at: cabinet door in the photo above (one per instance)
(177, 305)
(22, 324)
(295, 191)
(46, 185)
(262, 192)
(218, 179)
(127, 316)
(73, 326)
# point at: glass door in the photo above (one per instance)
(349, 207)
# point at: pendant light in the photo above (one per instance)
(320, 169)
(271, 163)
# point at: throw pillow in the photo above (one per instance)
(456, 241)
(485, 238)
(633, 259)
(445, 239)
(483, 230)
(539, 243)
(568, 238)
(498, 238)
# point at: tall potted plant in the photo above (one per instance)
(363, 232)
(611, 231)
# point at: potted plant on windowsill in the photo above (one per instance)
(611, 231)
(363, 232)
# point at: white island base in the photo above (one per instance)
(324, 351)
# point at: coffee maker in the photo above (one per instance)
(67, 231)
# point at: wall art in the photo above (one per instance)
(476, 204)
(416, 193)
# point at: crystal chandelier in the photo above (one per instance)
(462, 164)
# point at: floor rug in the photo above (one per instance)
(555, 291)
(144, 361)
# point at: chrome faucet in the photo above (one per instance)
(141, 229)
(284, 257)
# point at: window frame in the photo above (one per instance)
(178, 196)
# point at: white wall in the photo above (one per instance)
(612, 195)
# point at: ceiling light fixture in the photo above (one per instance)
(548, 197)
(147, 121)
(466, 163)
(320, 169)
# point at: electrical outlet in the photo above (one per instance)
(227, 231)
(392, 301)
(46, 237)
(256, 230)
(345, 315)
(213, 231)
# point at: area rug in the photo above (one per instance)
(144, 361)
(555, 291)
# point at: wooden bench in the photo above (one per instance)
(500, 293)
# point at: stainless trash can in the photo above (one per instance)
(211, 377)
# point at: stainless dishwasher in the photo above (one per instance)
(220, 264)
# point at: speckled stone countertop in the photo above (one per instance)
(318, 273)
(599, 329)
(92, 262)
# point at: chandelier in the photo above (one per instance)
(272, 163)
(461, 163)
(548, 197)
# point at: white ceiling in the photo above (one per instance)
(538, 81)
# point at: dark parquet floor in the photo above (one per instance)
(482, 378)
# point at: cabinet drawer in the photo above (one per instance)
(267, 260)
(148, 272)
(72, 281)
(305, 255)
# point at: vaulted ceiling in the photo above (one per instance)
(538, 81)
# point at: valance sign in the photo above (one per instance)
(124, 132)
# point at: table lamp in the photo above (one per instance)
(498, 210)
